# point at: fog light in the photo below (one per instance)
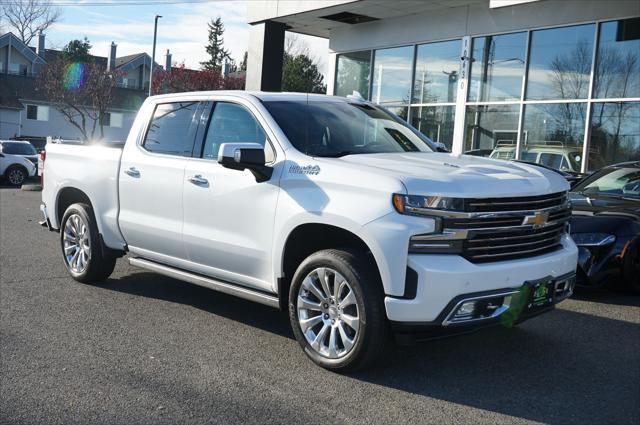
(466, 309)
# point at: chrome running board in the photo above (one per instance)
(207, 282)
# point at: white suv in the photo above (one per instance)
(18, 161)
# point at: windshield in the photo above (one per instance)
(12, 148)
(335, 129)
(613, 181)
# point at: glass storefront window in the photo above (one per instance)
(392, 75)
(560, 63)
(353, 71)
(553, 135)
(491, 130)
(400, 111)
(497, 67)
(436, 122)
(437, 72)
(618, 60)
(615, 133)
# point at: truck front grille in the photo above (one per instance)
(509, 245)
(500, 229)
(515, 204)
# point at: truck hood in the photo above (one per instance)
(463, 176)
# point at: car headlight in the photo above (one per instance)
(425, 205)
(593, 239)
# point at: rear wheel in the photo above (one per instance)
(81, 249)
(336, 310)
(16, 175)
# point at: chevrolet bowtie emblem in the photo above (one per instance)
(537, 220)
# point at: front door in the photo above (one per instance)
(228, 216)
(151, 182)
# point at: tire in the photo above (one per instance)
(84, 258)
(631, 270)
(16, 175)
(331, 337)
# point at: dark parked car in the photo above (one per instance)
(606, 226)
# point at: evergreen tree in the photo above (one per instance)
(77, 51)
(300, 74)
(215, 48)
(243, 64)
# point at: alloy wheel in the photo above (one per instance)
(77, 247)
(328, 313)
(16, 176)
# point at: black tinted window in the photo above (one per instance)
(231, 123)
(172, 129)
(32, 112)
(18, 148)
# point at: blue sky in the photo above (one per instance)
(183, 30)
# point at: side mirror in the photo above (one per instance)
(440, 147)
(245, 156)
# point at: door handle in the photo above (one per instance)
(132, 171)
(198, 180)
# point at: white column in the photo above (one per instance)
(461, 97)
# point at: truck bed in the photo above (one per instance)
(92, 169)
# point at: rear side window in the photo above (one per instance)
(232, 123)
(172, 129)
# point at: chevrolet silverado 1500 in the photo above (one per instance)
(331, 208)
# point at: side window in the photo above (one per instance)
(172, 129)
(552, 160)
(232, 123)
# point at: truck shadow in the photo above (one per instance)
(563, 367)
(153, 285)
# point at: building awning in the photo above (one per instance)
(318, 18)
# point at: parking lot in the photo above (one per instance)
(144, 348)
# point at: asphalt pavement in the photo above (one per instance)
(143, 348)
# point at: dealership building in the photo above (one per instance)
(551, 81)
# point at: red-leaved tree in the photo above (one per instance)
(182, 79)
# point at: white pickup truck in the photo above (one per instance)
(328, 207)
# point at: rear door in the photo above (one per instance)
(152, 182)
(228, 216)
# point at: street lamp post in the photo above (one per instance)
(153, 55)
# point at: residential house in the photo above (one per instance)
(26, 114)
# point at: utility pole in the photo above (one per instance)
(153, 55)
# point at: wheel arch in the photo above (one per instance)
(305, 239)
(70, 195)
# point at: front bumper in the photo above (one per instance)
(444, 278)
(505, 307)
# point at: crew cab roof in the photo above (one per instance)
(263, 96)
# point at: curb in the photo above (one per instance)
(31, 187)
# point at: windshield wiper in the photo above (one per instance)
(336, 154)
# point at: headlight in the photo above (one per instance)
(423, 205)
(593, 239)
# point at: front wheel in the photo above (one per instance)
(631, 269)
(336, 310)
(16, 175)
(81, 250)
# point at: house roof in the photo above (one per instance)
(13, 41)
(15, 89)
(123, 60)
(52, 54)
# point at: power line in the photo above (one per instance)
(120, 3)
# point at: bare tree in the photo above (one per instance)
(28, 17)
(81, 92)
